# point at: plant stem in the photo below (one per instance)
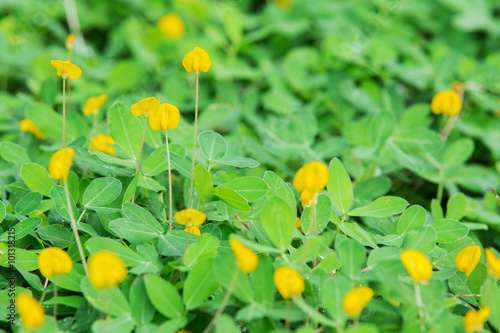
(439, 195)
(64, 113)
(140, 153)
(315, 228)
(185, 247)
(224, 301)
(194, 139)
(170, 200)
(419, 300)
(44, 291)
(304, 256)
(448, 127)
(55, 297)
(75, 230)
(287, 315)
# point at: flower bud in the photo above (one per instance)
(288, 281)
(60, 163)
(246, 258)
(93, 104)
(446, 102)
(467, 259)
(26, 125)
(356, 299)
(493, 262)
(417, 264)
(106, 269)
(310, 179)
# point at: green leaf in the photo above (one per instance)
(356, 232)
(423, 240)
(116, 304)
(47, 120)
(278, 221)
(251, 188)
(139, 215)
(212, 145)
(224, 268)
(239, 162)
(278, 188)
(262, 281)
(412, 218)
(91, 162)
(418, 140)
(456, 206)
(101, 191)
(28, 203)
(155, 163)
(32, 279)
(135, 233)
(22, 229)
(71, 281)
(37, 178)
(436, 210)
(380, 127)
(339, 186)
(130, 257)
(179, 164)
(121, 324)
(25, 259)
(142, 309)
(225, 324)
(131, 188)
(312, 248)
(231, 197)
(204, 183)
(205, 246)
(199, 284)
(448, 230)
(352, 256)
(14, 153)
(172, 244)
(110, 159)
(164, 296)
(58, 195)
(332, 294)
(458, 152)
(323, 213)
(3, 211)
(494, 303)
(125, 128)
(381, 207)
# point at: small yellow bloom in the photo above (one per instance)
(283, 4)
(467, 259)
(70, 41)
(288, 281)
(30, 311)
(54, 261)
(106, 269)
(474, 321)
(102, 142)
(246, 258)
(297, 223)
(190, 217)
(193, 230)
(27, 125)
(60, 163)
(417, 264)
(145, 106)
(171, 25)
(493, 262)
(163, 117)
(310, 179)
(93, 104)
(356, 299)
(196, 60)
(66, 69)
(446, 102)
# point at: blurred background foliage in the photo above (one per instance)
(310, 80)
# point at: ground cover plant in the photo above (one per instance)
(249, 166)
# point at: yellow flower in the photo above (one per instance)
(194, 230)
(297, 223)
(190, 217)
(196, 60)
(493, 262)
(66, 69)
(70, 40)
(145, 106)
(467, 259)
(30, 311)
(102, 142)
(163, 117)
(171, 25)
(93, 104)
(446, 102)
(106, 269)
(417, 264)
(283, 4)
(246, 258)
(356, 299)
(60, 163)
(27, 125)
(310, 179)
(474, 321)
(288, 281)
(54, 261)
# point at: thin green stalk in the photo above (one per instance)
(224, 302)
(55, 297)
(315, 227)
(287, 315)
(44, 290)
(194, 139)
(185, 247)
(75, 230)
(170, 196)
(304, 256)
(64, 112)
(140, 153)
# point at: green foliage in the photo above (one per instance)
(346, 83)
